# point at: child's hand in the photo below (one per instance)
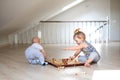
(71, 58)
(87, 64)
(65, 48)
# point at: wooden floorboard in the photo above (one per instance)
(14, 66)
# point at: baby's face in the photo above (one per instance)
(39, 40)
(78, 40)
(36, 40)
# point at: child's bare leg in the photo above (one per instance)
(88, 62)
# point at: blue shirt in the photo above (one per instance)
(88, 49)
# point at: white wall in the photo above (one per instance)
(115, 20)
(88, 10)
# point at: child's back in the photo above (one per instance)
(35, 53)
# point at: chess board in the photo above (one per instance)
(63, 62)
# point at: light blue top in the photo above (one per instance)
(33, 51)
(88, 49)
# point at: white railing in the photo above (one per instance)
(61, 32)
(96, 31)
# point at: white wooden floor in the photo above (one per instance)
(13, 65)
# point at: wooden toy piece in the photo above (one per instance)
(76, 74)
(60, 67)
(75, 61)
(83, 73)
(53, 60)
(65, 61)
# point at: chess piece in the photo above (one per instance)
(75, 62)
(83, 74)
(65, 61)
(53, 60)
(60, 67)
(76, 74)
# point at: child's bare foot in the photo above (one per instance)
(87, 64)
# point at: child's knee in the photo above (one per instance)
(95, 57)
(82, 59)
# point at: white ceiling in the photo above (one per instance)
(17, 14)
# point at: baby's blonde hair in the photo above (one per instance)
(35, 40)
(79, 33)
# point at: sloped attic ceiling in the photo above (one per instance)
(17, 14)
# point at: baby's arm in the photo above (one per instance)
(44, 53)
(75, 54)
(73, 48)
(79, 47)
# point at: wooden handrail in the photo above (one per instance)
(70, 21)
